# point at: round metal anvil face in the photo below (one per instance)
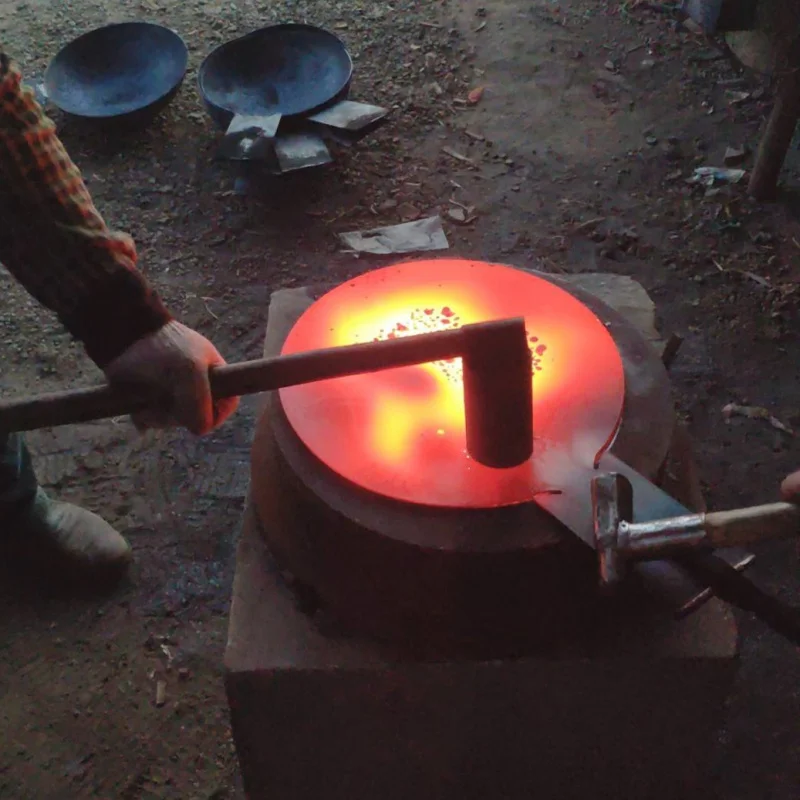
(400, 433)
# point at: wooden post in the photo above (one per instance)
(780, 129)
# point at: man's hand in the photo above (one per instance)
(790, 488)
(174, 363)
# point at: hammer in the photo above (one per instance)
(619, 540)
(498, 391)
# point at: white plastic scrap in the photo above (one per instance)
(708, 176)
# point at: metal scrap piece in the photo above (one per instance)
(300, 151)
(249, 138)
(350, 116)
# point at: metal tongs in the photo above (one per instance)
(689, 540)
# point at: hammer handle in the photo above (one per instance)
(230, 380)
(748, 526)
(252, 377)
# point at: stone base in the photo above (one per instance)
(316, 716)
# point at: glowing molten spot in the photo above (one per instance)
(400, 432)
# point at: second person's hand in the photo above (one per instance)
(790, 488)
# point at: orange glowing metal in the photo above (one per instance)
(400, 432)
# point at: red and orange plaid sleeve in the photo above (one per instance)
(54, 241)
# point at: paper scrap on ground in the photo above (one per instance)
(408, 237)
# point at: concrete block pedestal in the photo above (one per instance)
(316, 716)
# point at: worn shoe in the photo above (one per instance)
(69, 537)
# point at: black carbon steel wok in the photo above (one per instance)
(117, 71)
(277, 72)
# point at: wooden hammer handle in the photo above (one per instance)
(747, 526)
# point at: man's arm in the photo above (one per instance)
(54, 241)
(56, 244)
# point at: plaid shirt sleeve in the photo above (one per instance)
(54, 241)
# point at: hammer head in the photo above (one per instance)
(612, 503)
(498, 393)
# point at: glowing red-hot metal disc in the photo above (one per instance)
(400, 432)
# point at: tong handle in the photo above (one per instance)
(737, 590)
(747, 526)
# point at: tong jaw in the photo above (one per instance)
(612, 503)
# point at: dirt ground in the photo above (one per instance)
(575, 159)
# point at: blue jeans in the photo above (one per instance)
(18, 483)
